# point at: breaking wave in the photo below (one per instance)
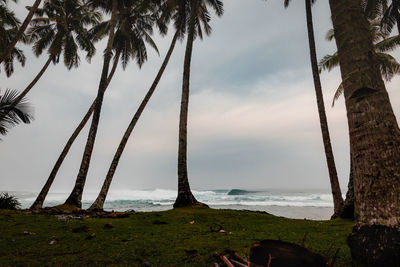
(161, 199)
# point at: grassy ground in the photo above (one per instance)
(160, 238)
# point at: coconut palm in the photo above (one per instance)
(388, 67)
(374, 140)
(383, 44)
(334, 181)
(169, 9)
(20, 33)
(60, 28)
(75, 197)
(133, 30)
(38, 203)
(9, 27)
(19, 113)
(195, 19)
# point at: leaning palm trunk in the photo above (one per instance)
(335, 187)
(21, 31)
(38, 204)
(374, 141)
(28, 88)
(99, 202)
(185, 196)
(348, 205)
(75, 197)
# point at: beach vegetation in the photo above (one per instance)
(178, 237)
(9, 202)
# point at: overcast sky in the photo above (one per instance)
(253, 120)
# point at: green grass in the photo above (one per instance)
(136, 239)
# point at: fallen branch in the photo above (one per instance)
(238, 264)
(225, 260)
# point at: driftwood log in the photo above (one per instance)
(274, 253)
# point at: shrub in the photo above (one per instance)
(9, 202)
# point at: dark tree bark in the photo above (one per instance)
(374, 139)
(28, 88)
(98, 204)
(348, 206)
(75, 198)
(20, 31)
(38, 204)
(185, 196)
(335, 186)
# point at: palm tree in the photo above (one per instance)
(10, 48)
(374, 140)
(19, 113)
(9, 26)
(126, 45)
(75, 197)
(60, 27)
(335, 186)
(196, 18)
(38, 203)
(388, 65)
(168, 10)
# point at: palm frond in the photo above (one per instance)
(388, 66)
(22, 112)
(338, 93)
(328, 62)
(388, 44)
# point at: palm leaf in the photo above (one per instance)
(338, 93)
(329, 62)
(388, 44)
(22, 112)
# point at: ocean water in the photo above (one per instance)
(291, 204)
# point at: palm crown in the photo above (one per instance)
(60, 26)
(179, 12)
(9, 26)
(387, 63)
(134, 28)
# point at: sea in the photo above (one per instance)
(308, 204)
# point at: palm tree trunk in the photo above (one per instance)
(38, 204)
(20, 31)
(185, 196)
(374, 140)
(75, 197)
(98, 204)
(28, 88)
(348, 206)
(335, 187)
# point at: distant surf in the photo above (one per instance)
(147, 200)
(305, 204)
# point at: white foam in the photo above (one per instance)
(166, 197)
